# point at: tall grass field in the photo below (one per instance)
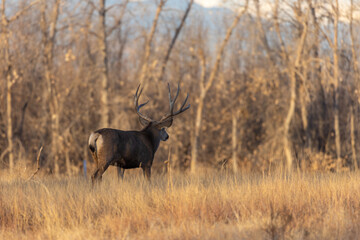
(214, 205)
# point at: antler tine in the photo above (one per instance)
(182, 109)
(172, 101)
(177, 92)
(137, 107)
(136, 98)
(169, 96)
(187, 96)
(137, 90)
(143, 104)
(167, 119)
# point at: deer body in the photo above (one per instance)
(131, 149)
(125, 149)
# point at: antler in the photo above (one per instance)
(168, 119)
(143, 119)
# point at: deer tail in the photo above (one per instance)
(92, 142)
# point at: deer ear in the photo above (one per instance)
(143, 121)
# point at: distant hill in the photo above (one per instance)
(143, 12)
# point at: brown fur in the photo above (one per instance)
(125, 149)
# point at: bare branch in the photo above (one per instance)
(284, 51)
(93, 6)
(222, 47)
(37, 164)
(95, 34)
(203, 69)
(317, 25)
(262, 34)
(149, 39)
(119, 20)
(177, 31)
(19, 13)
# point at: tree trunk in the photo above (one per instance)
(104, 67)
(352, 137)
(196, 135)
(356, 74)
(55, 134)
(9, 83)
(48, 39)
(286, 141)
(303, 108)
(289, 116)
(317, 79)
(234, 142)
(68, 163)
(336, 89)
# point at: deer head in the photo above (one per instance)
(167, 120)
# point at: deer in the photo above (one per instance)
(132, 149)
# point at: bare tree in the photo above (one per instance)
(10, 73)
(205, 85)
(356, 79)
(234, 139)
(49, 30)
(104, 68)
(315, 74)
(294, 71)
(104, 76)
(334, 44)
(334, 47)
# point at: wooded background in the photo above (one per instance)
(272, 84)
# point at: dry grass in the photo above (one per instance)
(304, 206)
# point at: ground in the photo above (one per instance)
(215, 205)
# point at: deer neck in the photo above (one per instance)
(153, 134)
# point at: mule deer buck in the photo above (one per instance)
(132, 149)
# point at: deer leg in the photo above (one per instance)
(94, 176)
(99, 172)
(147, 172)
(121, 172)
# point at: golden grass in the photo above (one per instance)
(211, 206)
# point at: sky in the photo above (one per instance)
(343, 4)
(208, 3)
(212, 3)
